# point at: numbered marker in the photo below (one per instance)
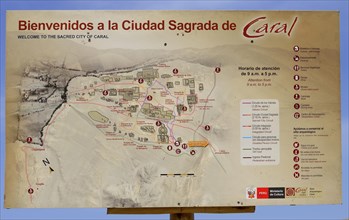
(296, 159)
(296, 106)
(296, 58)
(296, 87)
(175, 71)
(217, 69)
(177, 143)
(105, 92)
(207, 127)
(184, 146)
(29, 139)
(30, 191)
(178, 151)
(296, 77)
(140, 80)
(149, 97)
(192, 152)
(184, 108)
(169, 147)
(158, 123)
(296, 67)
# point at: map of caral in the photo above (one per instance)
(145, 123)
(181, 115)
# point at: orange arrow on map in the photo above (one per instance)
(198, 143)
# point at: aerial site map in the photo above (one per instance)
(172, 108)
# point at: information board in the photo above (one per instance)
(172, 108)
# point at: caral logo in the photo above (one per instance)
(251, 192)
(290, 191)
(301, 192)
(301, 189)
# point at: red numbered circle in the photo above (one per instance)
(30, 191)
(29, 139)
(158, 123)
(217, 69)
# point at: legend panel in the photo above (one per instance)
(259, 132)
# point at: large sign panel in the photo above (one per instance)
(172, 108)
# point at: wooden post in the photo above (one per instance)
(182, 216)
(182, 213)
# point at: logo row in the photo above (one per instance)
(276, 192)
